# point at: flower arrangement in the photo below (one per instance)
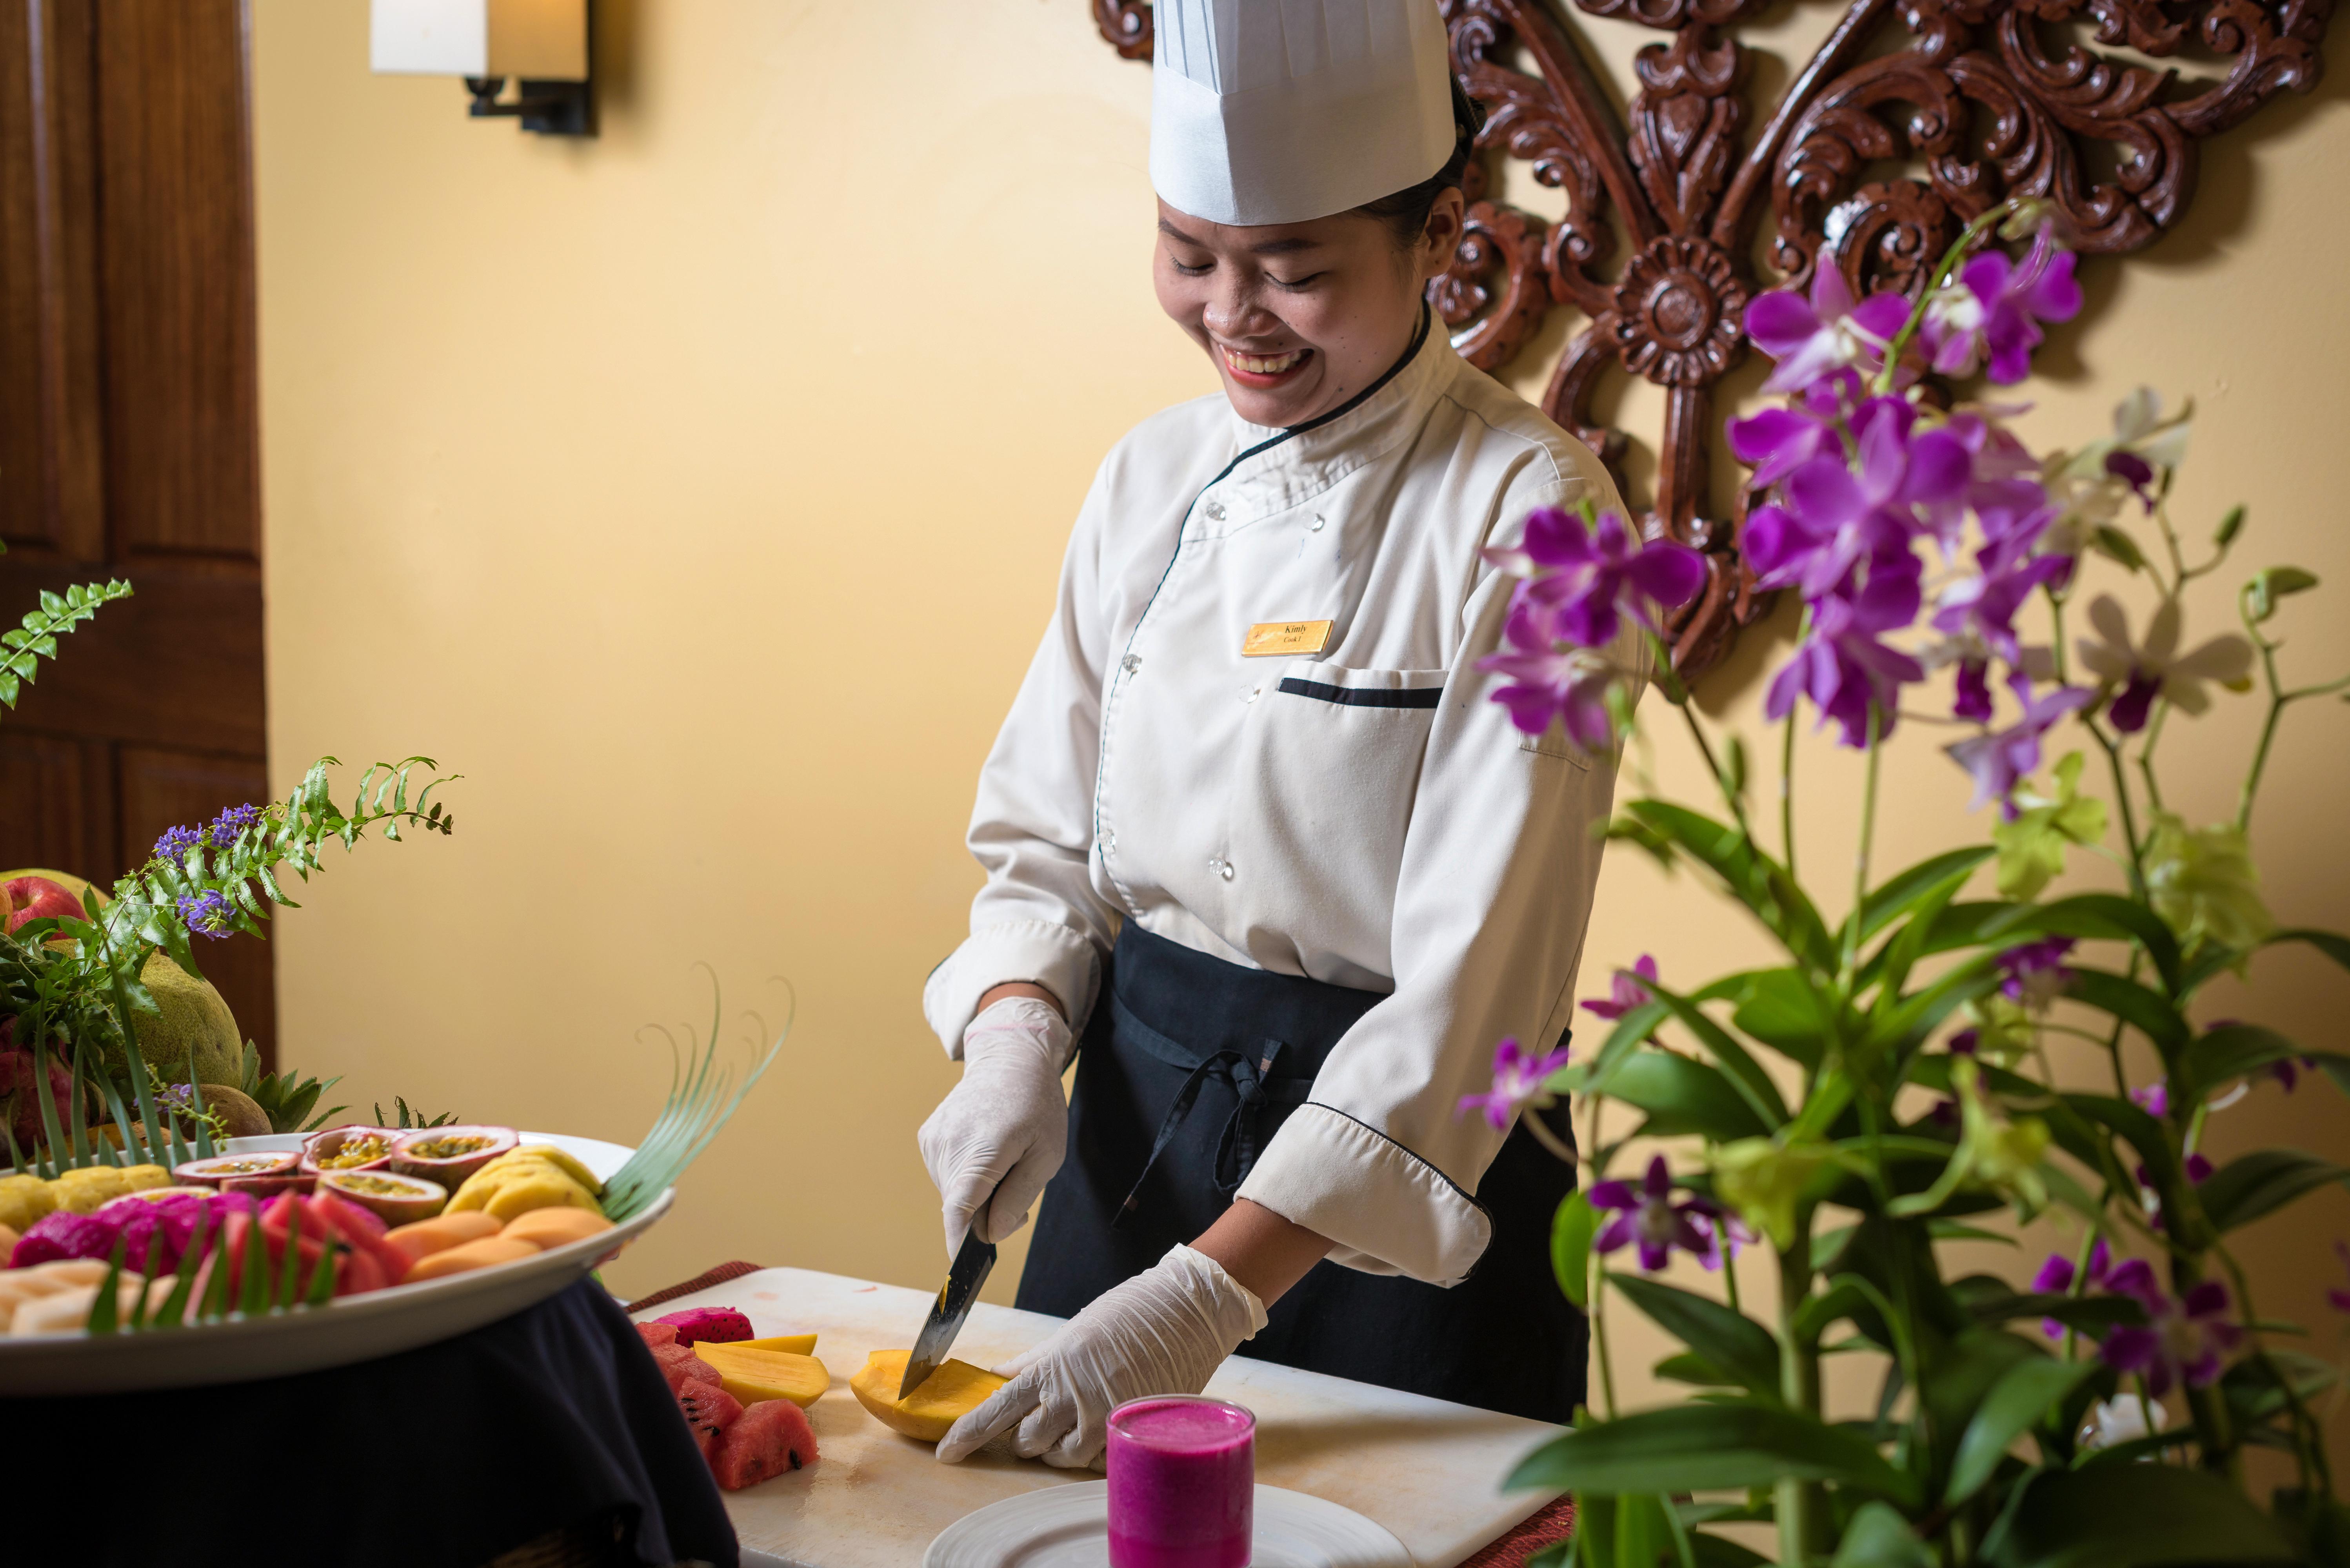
(1886, 1085)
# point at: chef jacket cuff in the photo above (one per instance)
(1039, 952)
(1387, 1211)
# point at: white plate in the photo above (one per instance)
(353, 1328)
(1068, 1527)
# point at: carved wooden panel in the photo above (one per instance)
(1911, 118)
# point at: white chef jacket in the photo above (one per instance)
(1310, 815)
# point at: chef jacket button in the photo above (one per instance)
(1220, 866)
(1130, 663)
(1215, 510)
(1252, 693)
(1318, 521)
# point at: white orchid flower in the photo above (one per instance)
(2156, 667)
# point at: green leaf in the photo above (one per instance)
(1692, 1369)
(2252, 1386)
(2134, 1004)
(2234, 1051)
(2109, 916)
(1700, 1447)
(1753, 877)
(2132, 1516)
(2018, 1401)
(1571, 1230)
(1879, 1537)
(1682, 1096)
(1722, 1336)
(1753, 1083)
(1780, 1008)
(107, 1305)
(1910, 889)
(2262, 1182)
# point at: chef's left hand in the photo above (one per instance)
(1165, 1331)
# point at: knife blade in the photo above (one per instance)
(972, 1260)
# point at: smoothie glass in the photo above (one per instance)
(1183, 1483)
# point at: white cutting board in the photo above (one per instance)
(1427, 1469)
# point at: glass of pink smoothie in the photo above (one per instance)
(1183, 1483)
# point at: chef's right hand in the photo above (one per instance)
(1000, 1135)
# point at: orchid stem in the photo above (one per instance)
(1800, 1520)
(1787, 796)
(1860, 859)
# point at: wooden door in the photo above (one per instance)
(129, 444)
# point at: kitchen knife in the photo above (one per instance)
(972, 1262)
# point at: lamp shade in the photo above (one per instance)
(545, 40)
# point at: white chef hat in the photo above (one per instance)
(1276, 112)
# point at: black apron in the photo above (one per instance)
(1186, 1067)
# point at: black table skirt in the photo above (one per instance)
(447, 1455)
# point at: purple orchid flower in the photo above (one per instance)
(1832, 516)
(2183, 1341)
(1725, 1234)
(1548, 680)
(1625, 990)
(2287, 1070)
(2005, 758)
(1979, 612)
(208, 914)
(1829, 332)
(2035, 972)
(1577, 579)
(1647, 1217)
(1518, 1077)
(2154, 1098)
(2056, 1279)
(1843, 668)
(1777, 441)
(2340, 1299)
(1995, 310)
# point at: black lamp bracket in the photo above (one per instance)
(550, 108)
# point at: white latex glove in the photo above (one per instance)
(1001, 1133)
(1165, 1331)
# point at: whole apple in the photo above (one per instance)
(37, 899)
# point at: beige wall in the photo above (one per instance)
(697, 492)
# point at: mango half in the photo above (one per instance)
(944, 1397)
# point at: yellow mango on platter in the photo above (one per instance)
(790, 1343)
(539, 1190)
(751, 1375)
(547, 1153)
(23, 1200)
(949, 1394)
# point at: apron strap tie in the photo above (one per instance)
(1237, 1149)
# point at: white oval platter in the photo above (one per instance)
(350, 1329)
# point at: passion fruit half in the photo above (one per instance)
(221, 1168)
(349, 1148)
(396, 1199)
(449, 1155)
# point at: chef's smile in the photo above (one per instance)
(1262, 369)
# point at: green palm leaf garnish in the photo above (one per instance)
(699, 1105)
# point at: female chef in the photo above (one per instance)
(1262, 853)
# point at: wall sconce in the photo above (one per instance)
(542, 44)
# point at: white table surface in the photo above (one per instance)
(1427, 1469)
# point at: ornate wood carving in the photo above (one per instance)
(1680, 210)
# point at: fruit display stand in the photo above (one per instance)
(1426, 1470)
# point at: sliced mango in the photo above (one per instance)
(466, 1257)
(556, 1227)
(440, 1234)
(751, 1375)
(944, 1397)
(790, 1343)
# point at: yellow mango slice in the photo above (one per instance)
(557, 1227)
(790, 1343)
(751, 1375)
(23, 1200)
(944, 1397)
(547, 1188)
(467, 1256)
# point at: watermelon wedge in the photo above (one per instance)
(762, 1443)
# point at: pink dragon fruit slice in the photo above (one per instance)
(716, 1325)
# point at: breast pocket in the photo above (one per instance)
(1329, 768)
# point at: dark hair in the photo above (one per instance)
(1405, 213)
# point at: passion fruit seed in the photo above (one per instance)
(448, 1147)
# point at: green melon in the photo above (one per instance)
(195, 1026)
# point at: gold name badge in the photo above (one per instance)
(1271, 637)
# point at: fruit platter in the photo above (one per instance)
(285, 1253)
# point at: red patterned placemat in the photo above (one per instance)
(700, 1282)
(1552, 1524)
